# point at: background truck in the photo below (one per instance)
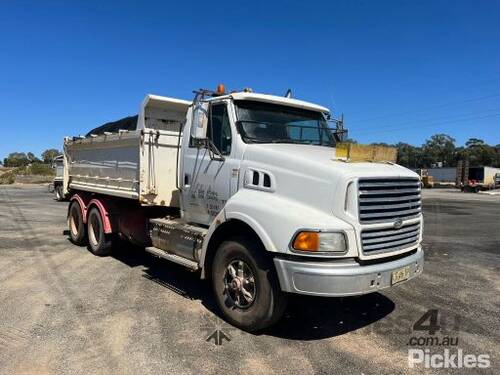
(478, 178)
(56, 186)
(246, 189)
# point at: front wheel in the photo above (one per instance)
(58, 193)
(246, 286)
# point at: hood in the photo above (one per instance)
(319, 161)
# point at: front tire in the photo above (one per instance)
(58, 193)
(246, 286)
(99, 242)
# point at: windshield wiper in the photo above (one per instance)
(255, 140)
(277, 140)
(288, 140)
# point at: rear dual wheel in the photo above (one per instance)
(99, 242)
(92, 234)
(76, 226)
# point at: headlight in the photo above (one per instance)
(318, 242)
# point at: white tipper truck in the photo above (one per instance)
(246, 189)
(57, 183)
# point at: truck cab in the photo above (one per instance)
(56, 187)
(265, 206)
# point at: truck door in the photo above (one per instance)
(206, 178)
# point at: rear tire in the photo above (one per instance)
(77, 230)
(246, 286)
(99, 242)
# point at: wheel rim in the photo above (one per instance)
(239, 284)
(73, 219)
(94, 230)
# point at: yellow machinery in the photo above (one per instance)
(427, 181)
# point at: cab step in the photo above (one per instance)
(191, 264)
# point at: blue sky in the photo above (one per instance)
(398, 70)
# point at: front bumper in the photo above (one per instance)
(342, 277)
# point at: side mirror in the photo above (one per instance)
(199, 122)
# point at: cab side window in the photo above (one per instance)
(219, 129)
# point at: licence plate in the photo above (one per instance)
(401, 274)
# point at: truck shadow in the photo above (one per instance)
(306, 318)
(167, 274)
(314, 318)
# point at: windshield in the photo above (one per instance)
(260, 122)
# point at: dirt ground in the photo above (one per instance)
(66, 311)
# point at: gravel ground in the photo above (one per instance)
(65, 311)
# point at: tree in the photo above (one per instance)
(49, 155)
(16, 159)
(32, 158)
(439, 148)
(383, 144)
(479, 153)
(408, 155)
(497, 156)
(474, 142)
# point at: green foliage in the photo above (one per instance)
(49, 155)
(16, 159)
(7, 178)
(21, 159)
(34, 173)
(32, 158)
(408, 155)
(440, 148)
(479, 153)
(41, 169)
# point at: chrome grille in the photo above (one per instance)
(375, 241)
(388, 199)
